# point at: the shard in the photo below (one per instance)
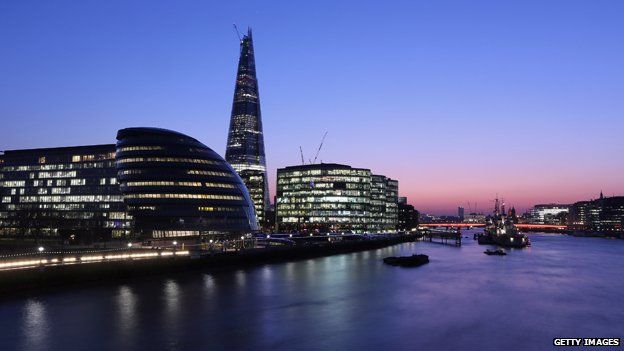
(245, 145)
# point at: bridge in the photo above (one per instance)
(472, 225)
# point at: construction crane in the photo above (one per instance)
(319, 148)
(237, 32)
(301, 152)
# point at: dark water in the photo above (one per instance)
(462, 300)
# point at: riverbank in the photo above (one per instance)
(40, 279)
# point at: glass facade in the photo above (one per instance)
(69, 195)
(245, 145)
(176, 187)
(334, 198)
(603, 215)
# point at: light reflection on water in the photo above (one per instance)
(463, 299)
(35, 325)
(127, 312)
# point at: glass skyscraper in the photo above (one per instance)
(245, 146)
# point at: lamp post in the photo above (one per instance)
(40, 249)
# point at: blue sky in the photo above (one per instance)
(458, 100)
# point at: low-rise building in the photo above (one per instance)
(550, 214)
(64, 195)
(408, 216)
(604, 215)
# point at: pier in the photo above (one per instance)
(453, 238)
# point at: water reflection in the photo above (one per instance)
(561, 286)
(172, 295)
(209, 284)
(35, 325)
(127, 311)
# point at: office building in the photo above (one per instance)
(178, 188)
(408, 216)
(392, 211)
(604, 216)
(245, 145)
(65, 195)
(460, 213)
(550, 214)
(331, 197)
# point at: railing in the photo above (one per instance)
(67, 257)
(52, 258)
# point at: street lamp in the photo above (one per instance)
(175, 243)
(40, 249)
(129, 245)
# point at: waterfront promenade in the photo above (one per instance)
(38, 271)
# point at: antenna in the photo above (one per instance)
(319, 148)
(237, 32)
(301, 152)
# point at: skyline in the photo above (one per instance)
(492, 92)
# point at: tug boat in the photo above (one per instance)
(500, 230)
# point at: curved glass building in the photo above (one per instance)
(176, 187)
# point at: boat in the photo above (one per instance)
(498, 252)
(407, 261)
(500, 230)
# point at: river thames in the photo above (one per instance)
(462, 300)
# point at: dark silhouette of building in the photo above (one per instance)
(178, 188)
(62, 195)
(460, 213)
(245, 145)
(513, 215)
(408, 216)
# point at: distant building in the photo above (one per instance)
(245, 144)
(63, 195)
(460, 213)
(513, 215)
(408, 216)
(474, 218)
(604, 215)
(178, 188)
(550, 214)
(331, 197)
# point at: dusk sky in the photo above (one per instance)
(458, 100)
